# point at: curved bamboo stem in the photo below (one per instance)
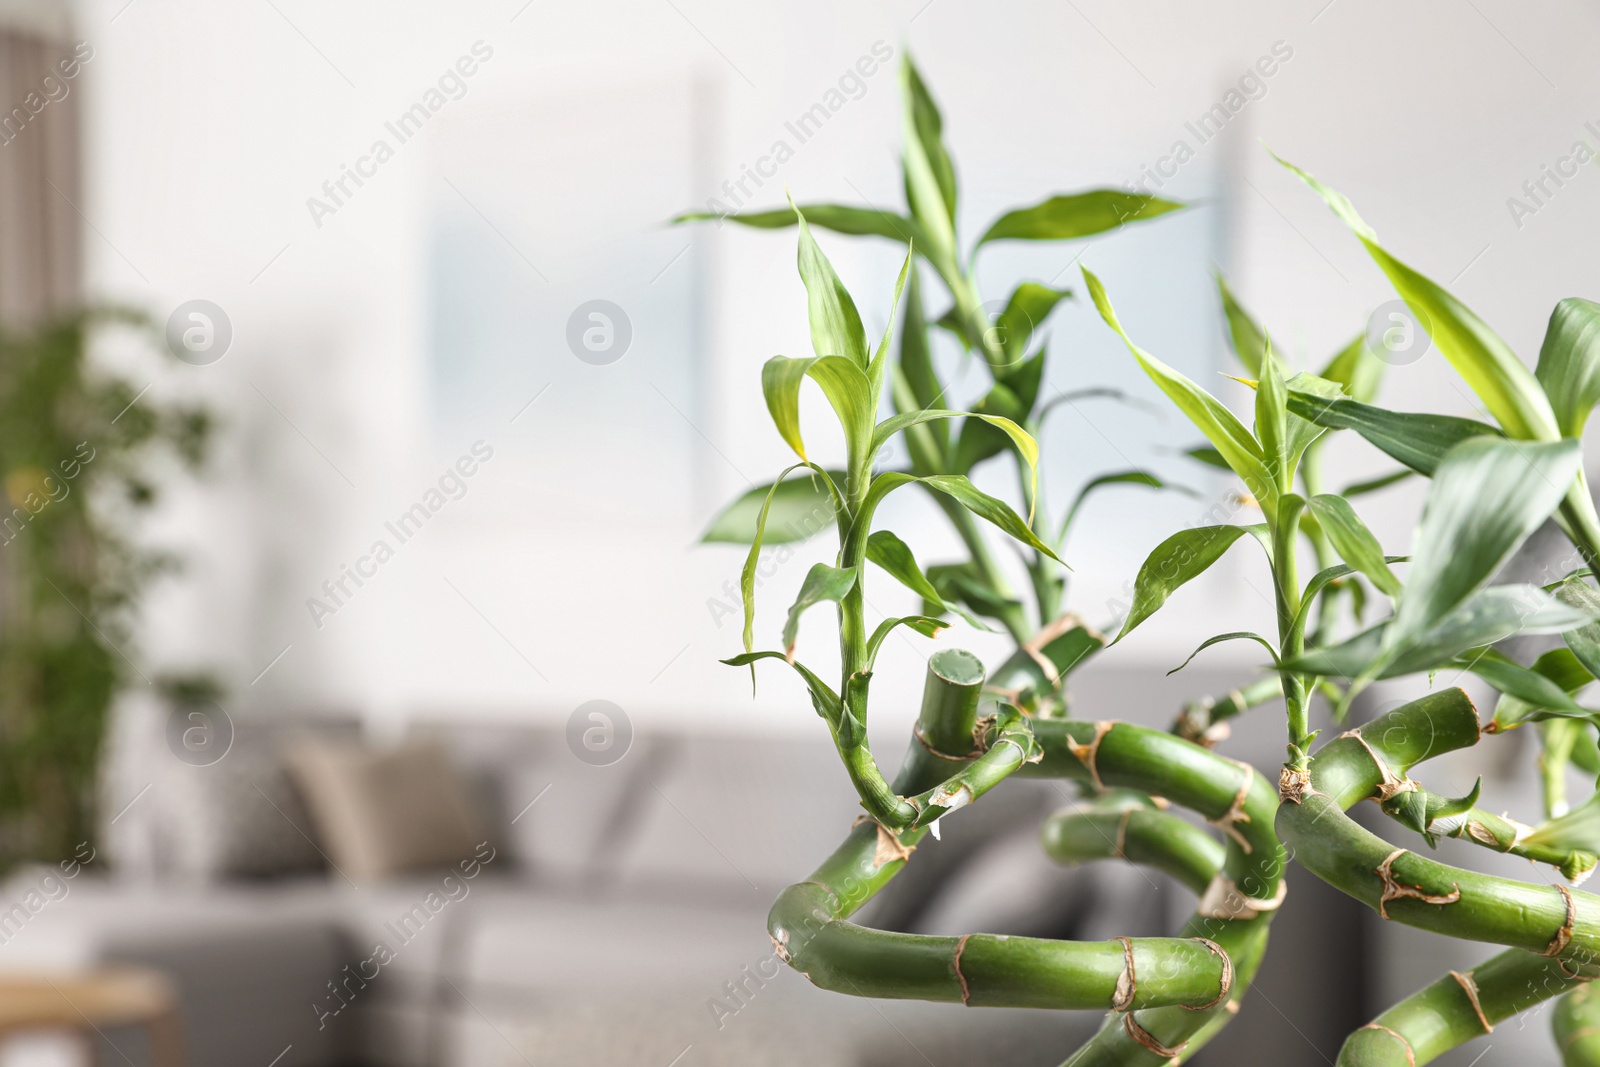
(1459, 1007)
(1128, 825)
(808, 927)
(1576, 1024)
(1238, 903)
(1400, 885)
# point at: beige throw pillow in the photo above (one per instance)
(380, 814)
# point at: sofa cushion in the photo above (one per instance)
(382, 813)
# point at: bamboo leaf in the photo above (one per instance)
(962, 583)
(1065, 217)
(1272, 424)
(1135, 477)
(1025, 312)
(930, 177)
(920, 623)
(842, 382)
(1492, 615)
(823, 698)
(880, 359)
(1356, 370)
(1514, 680)
(840, 218)
(1225, 432)
(1179, 559)
(836, 328)
(799, 510)
(1209, 456)
(1234, 636)
(1373, 485)
(1584, 641)
(1483, 360)
(822, 582)
(1487, 497)
(1021, 439)
(747, 576)
(1578, 829)
(1322, 579)
(986, 507)
(1569, 363)
(1563, 669)
(1353, 541)
(916, 357)
(896, 558)
(1248, 339)
(1418, 440)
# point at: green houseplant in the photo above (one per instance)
(1491, 487)
(77, 446)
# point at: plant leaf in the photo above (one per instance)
(929, 175)
(1209, 456)
(1234, 636)
(1024, 442)
(1135, 477)
(1418, 440)
(822, 582)
(1355, 543)
(1064, 217)
(1487, 497)
(1487, 364)
(823, 698)
(1026, 310)
(1220, 426)
(1569, 363)
(986, 507)
(880, 359)
(1562, 668)
(1372, 485)
(799, 510)
(1322, 579)
(1272, 424)
(1584, 641)
(921, 623)
(916, 357)
(747, 576)
(1180, 558)
(896, 558)
(840, 218)
(836, 328)
(1492, 615)
(1248, 339)
(1356, 370)
(843, 383)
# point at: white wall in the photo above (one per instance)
(210, 125)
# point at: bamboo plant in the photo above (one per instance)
(1491, 487)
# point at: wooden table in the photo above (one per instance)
(86, 1003)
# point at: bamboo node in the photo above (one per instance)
(1225, 900)
(1090, 753)
(1469, 986)
(1390, 784)
(955, 962)
(1411, 1057)
(922, 739)
(1148, 1040)
(1236, 813)
(1558, 943)
(1227, 976)
(1127, 981)
(889, 847)
(1122, 834)
(1293, 785)
(1393, 890)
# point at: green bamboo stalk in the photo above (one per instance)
(808, 927)
(1459, 1007)
(1125, 824)
(1236, 907)
(1576, 1023)
(1434, 816)
(1405, 887)
(1199, 719)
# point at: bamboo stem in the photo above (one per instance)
(1127, 825)
(1459, 1007)
(1576, 1024)
(1405, 887)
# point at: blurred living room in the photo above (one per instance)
(427, 638)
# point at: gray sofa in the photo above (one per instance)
(621, 918)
